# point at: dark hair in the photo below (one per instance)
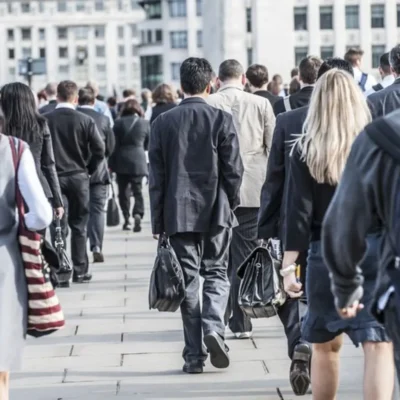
(112, 101)
(294, 72)
(294, 86)
(230, 69)
(128, 92)
(163, 93)
(196, 75)
(86, 97)
(42, 95)
(384, 63)
(1, 121)
(21, 118)
(308, 69)
(131, 107)
(277, 77)
(353, 54)
(395, 59)
(257, 75)
(274, 88)
(67, 90)
(335, 62)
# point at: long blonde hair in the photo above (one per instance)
(338, 112)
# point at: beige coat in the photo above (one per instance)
(254, 120)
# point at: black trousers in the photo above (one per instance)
(75, 191)
(96, 224)
(126, 185)
(206, 255)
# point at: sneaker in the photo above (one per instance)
(193, 367)
(218, 350)
(137, 227)
(243, 335)
(300, 379)
(98, 257)
(127, 226)
(82, 278)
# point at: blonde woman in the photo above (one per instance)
(337, 113)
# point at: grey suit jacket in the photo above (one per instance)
(385, 101)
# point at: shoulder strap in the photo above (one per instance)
(286, 102)
(363, 81)
(17, 150)
(377, 87)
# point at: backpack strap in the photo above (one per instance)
(286, 103)
(363, 81)
(377, 87)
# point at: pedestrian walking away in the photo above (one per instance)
(255, 121)
(51, 94)
(79, 150)
(317, 159)
(386, 73)
(195, 178)
(129, 161)
(365, 81)
(100, 179)
(164, 99)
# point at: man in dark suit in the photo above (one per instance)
(78, 151)
(387, 100)
(271, 222)
(51, 93)
(195, 178)
(100, 180)
(257, 78)
(308, 70)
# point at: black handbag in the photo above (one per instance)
(64, 270)
(167, 284)
(112, 210)
(261, 289)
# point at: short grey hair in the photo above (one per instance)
(230, 69)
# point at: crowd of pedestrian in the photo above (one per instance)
(233, 160)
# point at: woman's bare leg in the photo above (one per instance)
(4, 385)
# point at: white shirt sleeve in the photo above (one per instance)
(40, 213)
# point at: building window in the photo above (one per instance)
(199, 39)
(62, 33)
(134, 50)
(63, 71)
(122, 68)
(100, 51)
(159, 36)
(121, 51)
(326, 52)
(26, 33)
(248, 20)
(179, 40)
(249, 56)
(10, 35)
(398, 15)
(26, 52)
(300, 18)
(80, 5)
(153, 10)
(26, 7)
(352, 17)
(176, 71)
(299, 54)
(62, 5)
(101, 71)
(326, 17)
(42, 34)
(99, 5)
(41, 6)
(199, 8)
(149, 36)
(11, 54)
(151, 71)
(99, 31)
(134, 30)
(134, 4)
(121, 32)
(120, 5)
(63, 52)
(177, 8)
(11, 72)
(42, 52)
(377, 52)
(377, 16)
(81, 32)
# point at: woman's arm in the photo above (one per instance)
(40, 213)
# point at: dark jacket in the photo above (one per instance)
(76, 141)
(385, 101)
(51, 106)
(195, 169)
(159, 109)
(101, 175)
(43, 155)
(271, 218)
(267, 95)
(297, 100)
(131, 142)
(365, 197)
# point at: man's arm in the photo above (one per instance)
(110, 139)
(345, 228)
(156, 177)
(273, 188)
(279, 107)
(96, 147)
(230, 161)
(269, 125)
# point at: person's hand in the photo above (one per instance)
(292, 287)
(351, 312)
(59, 212)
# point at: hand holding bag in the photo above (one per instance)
(112, 210)
(44, 310)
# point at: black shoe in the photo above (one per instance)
(127, 226)
(64, 284)
(193, 367)
(218, 350)
(137, 227)
(98, 257)
(82, 278)
(300, 379)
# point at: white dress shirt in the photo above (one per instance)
(371, 81)
(66, 105)
(386, 81)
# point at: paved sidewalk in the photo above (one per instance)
(114, 347)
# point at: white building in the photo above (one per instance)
(79, 40)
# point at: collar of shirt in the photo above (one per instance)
(230, 86)
(88, 107)
(65, 105)
(387, 80)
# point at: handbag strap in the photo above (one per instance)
(17, 150)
